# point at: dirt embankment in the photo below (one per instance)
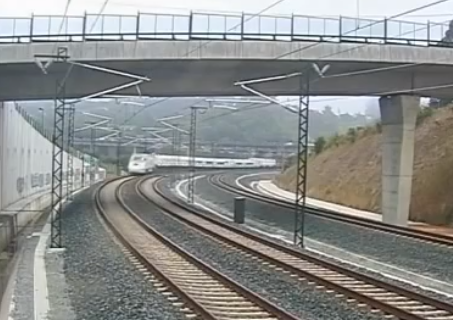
(350, 173)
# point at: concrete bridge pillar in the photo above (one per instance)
(398, 118)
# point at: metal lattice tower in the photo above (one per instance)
(192, 146)
(70, 180)
(118, 153)
(82, 173)
(92, 152)
(174, 153)
(302, 157)
(57, 156)
(178, 152)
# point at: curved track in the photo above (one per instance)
(220, 182)
(379, 295)
(205, 293)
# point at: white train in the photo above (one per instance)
(142, 163)
(215, 163)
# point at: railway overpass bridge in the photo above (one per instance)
(414, 58)
(383, 60)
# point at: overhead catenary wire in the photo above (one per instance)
(65, 13)
(335, 53)
(298, 50)
(272, 5)
(242, 23)
(402, 91)
(182, 10)
(361, 72)
(71, 66)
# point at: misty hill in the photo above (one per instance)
(253, 123)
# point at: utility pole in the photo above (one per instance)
(62, 56)
(92, 153)
(305, 77)
(83, 170)
(57, 155)
(213, 149)
(302, 158)
(70, 180)
(178, 136)
(118, 152)
(174, 153)
(192, 150)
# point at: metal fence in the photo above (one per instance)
(216, 26)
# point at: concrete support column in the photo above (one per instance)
(2, 151)
(398, 118)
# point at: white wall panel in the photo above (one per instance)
(25, 158)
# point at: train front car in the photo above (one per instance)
(139, 164)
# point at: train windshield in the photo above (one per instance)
(138, 158)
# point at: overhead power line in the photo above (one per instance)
(431, 4)
(203, 44)
(68, 72)
(319, 43)
(252, 16)
(65, 14)
(401, 91)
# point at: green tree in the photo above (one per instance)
(320, 144)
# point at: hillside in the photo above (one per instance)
(349, 173)
(254, 124)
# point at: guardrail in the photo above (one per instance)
(148, 26)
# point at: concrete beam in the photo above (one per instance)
(398, 117)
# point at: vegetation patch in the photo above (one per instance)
(346, 168)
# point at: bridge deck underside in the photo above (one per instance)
(177, 78)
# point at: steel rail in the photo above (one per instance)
(219, 182)
(136, 252)
(273, 311)
(171, 206)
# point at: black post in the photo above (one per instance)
(239, 210)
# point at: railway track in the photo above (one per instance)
(219, 181)
(201, 291)
(379, 296)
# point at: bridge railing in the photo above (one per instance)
(147, 26)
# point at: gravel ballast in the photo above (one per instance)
(295, 296)
(102, 283)
(270, 232)
(414, 255)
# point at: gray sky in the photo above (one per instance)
(351, 8)
(367, 8)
